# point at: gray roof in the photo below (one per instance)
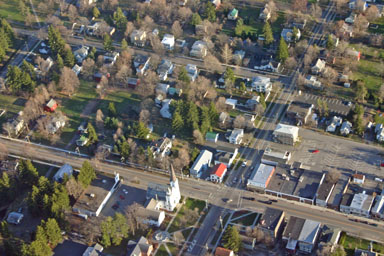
(309, 231)
(308, 184)
(136, 248)
(271, 218)
(157, 191)
(293, 228)
(15, 217)
(324, 190)
(260, 175)
(148, 214)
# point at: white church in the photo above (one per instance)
(164, 197)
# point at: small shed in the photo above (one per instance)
(50, 106)
(211, 136)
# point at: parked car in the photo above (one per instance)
(244, 164)
(249, 198)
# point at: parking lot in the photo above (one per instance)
(335, 106)
(337, 154)
(123, 198)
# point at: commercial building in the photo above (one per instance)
(201, 164)
(286, 134)
(378, 208)
(359, 204)
(271, 222)
(274, 156)
(260, 177)
(96, 196)
(325, 190)
(299, 112)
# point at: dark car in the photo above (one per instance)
(248, 198)
(115, 206)
(265, 202)
(273, 200)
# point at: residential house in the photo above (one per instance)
(236, 136)
(81, 54)
(286, 134)
(351, 18)
(172, 91)
(211, 136)
(358, 178)
(168, 42)
(299, 23)
(346, 30)
(110, 58)
(77, 29)
(50, 106)
(225, 155)
(141, 63)
(299, 112)
(265, 13)
(161, 89)
(311, 81)
(77, 69)
(268, 64)
(138, 37)
(66, 169)
(220, 251)
(192, 71)
(201, 164)
(378, 208)
(346, 128)
(161, 147)
(271, 222)
(233, 14)
(360, 204)
(133, 82)
(183, 2)
(165, 111)
(95, 250)
(223, 117)
(336, 121)
(150, 217)
(43, 68)
(96, 195)
(165, 197)
(95, 29)
(302, 233)
(231, 103)
(142, 247)
(15, 218)
(218, 173)
(379, 130)
(287, 34)
(180, 43)
(252, 103)
(319, 67)
(261, 84)
(199, 49)
(260, 177)
(361, 5)
(164, 69)
(216, 3)
(56, 123)
(361, 252)
(238, 56)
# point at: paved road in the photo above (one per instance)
(203, 190)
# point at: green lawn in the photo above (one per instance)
(162, 251)
(172, 248)
(350, 243)
(380, 29)
(191, 204)
(74, 106)
(10, 10)
(247, 220)
(12, 105)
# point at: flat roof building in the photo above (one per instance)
(286, 134)
(271, 222)
(260, 177)
(95, 197)
(275, 156)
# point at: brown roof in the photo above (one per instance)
(220, 251)
(358, 176)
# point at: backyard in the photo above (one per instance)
(350, 243)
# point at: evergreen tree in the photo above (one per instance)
(242, 87)
(3, 45)
(114, 230)
(205, 120)
(52, 231)
(107, 43)
(282, 51)
(8, 30)
(213, 115)
(196, 19)
(262, 101)
(177, 121)
(125, 150)
(28, 68)
(183, 75)
(69, 58)
(92, 135)
(141, 130)
(267, 32)
(92, 53)
(87, 174)
(4, 230)
(239, 27)
(112, 109)
(192, 116)
(231, 239)
(56, 42)
(19, 80)
(124, 44)
(295, 34)
(361, 91)
(330, 42)
(59, 62)
(120, 19)
(28, 174)
(95, 12)
(5, 187)
(210, 12)
(40, 245)
(229, 75)
(60, 201)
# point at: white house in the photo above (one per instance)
(287, 34)
(81, 53)
(361, 205)
(164, 69)
(231, 103)
(311, 81)
(265, 13)
(335, 122)
(218, 173)
(201, 164)
(236, 136)
(354, 4)
(346, 128)
(199, 49)
(150, 216)
(55, 124)
(192, 71)
(138, 37)
(77, 69)
(164, 111)
(161, 147)
(286, 134)
(319, 67)
(168, 42)
(261, 84)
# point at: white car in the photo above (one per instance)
(244, 164)
(43, 51)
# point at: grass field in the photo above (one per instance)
(10, 10)
(380, 29)
(350, 243)
(12, 105)
(191, 204)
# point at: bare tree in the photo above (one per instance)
(316, 11)
(88, 67)
(372, 13)
(226, 54)
(272, 10)
(109, 5)
(220, 104)
(99, 119)
(198, 137)
(72, 13)
(184, 14)
(156, 44)
(340, 6)
(332, 176)
(128, 30)
(144, 116)
(182, 160)
(361, 25)
(74, 188)
(239, 122)
(3, 152)
(212, 64)
(291, 63)
(147, 23)
(8, 127)
(148, 84)
(68, 81)
(299, 5)
(123, 75)
(177, 31)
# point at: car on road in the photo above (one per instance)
(373, 224)
(244, 164)
(249, 198)
(227, 200)
(315, 151)
(115, 206)
(265, 202)
(234, 180)
(382, 164)
(273, 200)
(122, 197)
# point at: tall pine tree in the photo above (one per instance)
(282, 51)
